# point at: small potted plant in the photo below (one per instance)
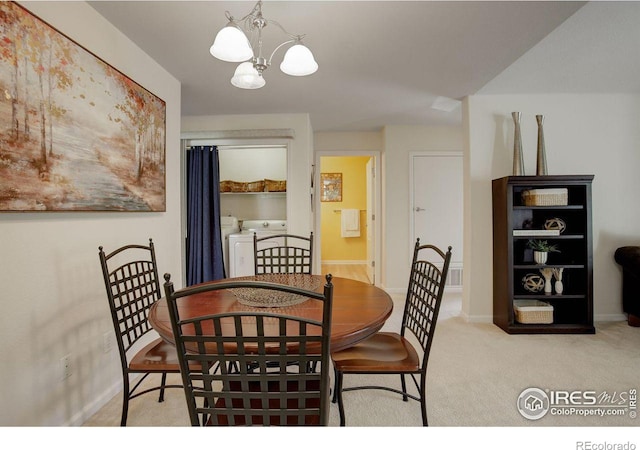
(541, 250)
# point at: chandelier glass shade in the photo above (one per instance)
(231, 45)
(241, 41)
(247, 77)
(298, 61)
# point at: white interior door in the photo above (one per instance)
(371, 214)
(438, 203)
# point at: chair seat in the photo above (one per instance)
(158, 356)
(382, 352)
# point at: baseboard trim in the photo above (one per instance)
(476, 318)
(96, 405)
(610, 317)
(597, 318)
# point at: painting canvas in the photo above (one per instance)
(331, 187)
(75, 133)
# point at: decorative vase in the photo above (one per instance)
(547, 273)
(540, 257)
(558, 285)
(518, 160)
(541, 165)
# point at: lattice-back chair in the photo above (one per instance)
(131, 279)
(393, 353)
(293, 255)
(266, 359)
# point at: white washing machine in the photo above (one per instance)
(241, 262)
(228, 226)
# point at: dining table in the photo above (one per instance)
(359, 309)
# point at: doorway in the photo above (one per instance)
(437, 206)
(348, 254)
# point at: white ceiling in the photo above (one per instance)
(594, 51)
(386, 62)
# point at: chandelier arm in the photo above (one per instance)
(292, 36)
(250, 15)
(279, 47)
(249, 25)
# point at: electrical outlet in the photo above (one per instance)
(107, 343)
(65, 366)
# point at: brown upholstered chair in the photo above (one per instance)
(295, 255)
(393, 353)
(131, 279)
(257, 367)
(628, 257)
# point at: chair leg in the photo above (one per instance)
(338, 392)
(423, 400)
(335, 386)
(163, 383)
(423, 405)
(404, 388)
(125, 401)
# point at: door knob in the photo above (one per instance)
(418, 209)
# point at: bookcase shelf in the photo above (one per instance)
(513, 260)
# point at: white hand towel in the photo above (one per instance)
(350, 223)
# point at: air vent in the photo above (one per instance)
(454, 277)
(445, 104)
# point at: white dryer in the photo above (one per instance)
(228, 226)
(241, 262)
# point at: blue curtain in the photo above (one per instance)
(204, 243)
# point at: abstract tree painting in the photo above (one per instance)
(330, 187)
(75, 133)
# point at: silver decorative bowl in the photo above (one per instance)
(267, 298)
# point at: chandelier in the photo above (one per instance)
(241, 41)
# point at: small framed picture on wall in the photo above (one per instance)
(331, 187)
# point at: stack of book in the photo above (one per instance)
(536, 232)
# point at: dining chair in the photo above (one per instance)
(131, 279)
(393, 353)
(245, 376)
(293, 255)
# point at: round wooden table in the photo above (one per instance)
(359, 310)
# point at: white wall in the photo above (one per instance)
(348, 141)
(584, 134)
(399, 143)
(253, 163)
(53, 297)
(299, 159)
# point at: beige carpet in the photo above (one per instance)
(476, 374)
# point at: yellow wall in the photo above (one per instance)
(354, 195)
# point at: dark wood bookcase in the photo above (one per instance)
(513, 260)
